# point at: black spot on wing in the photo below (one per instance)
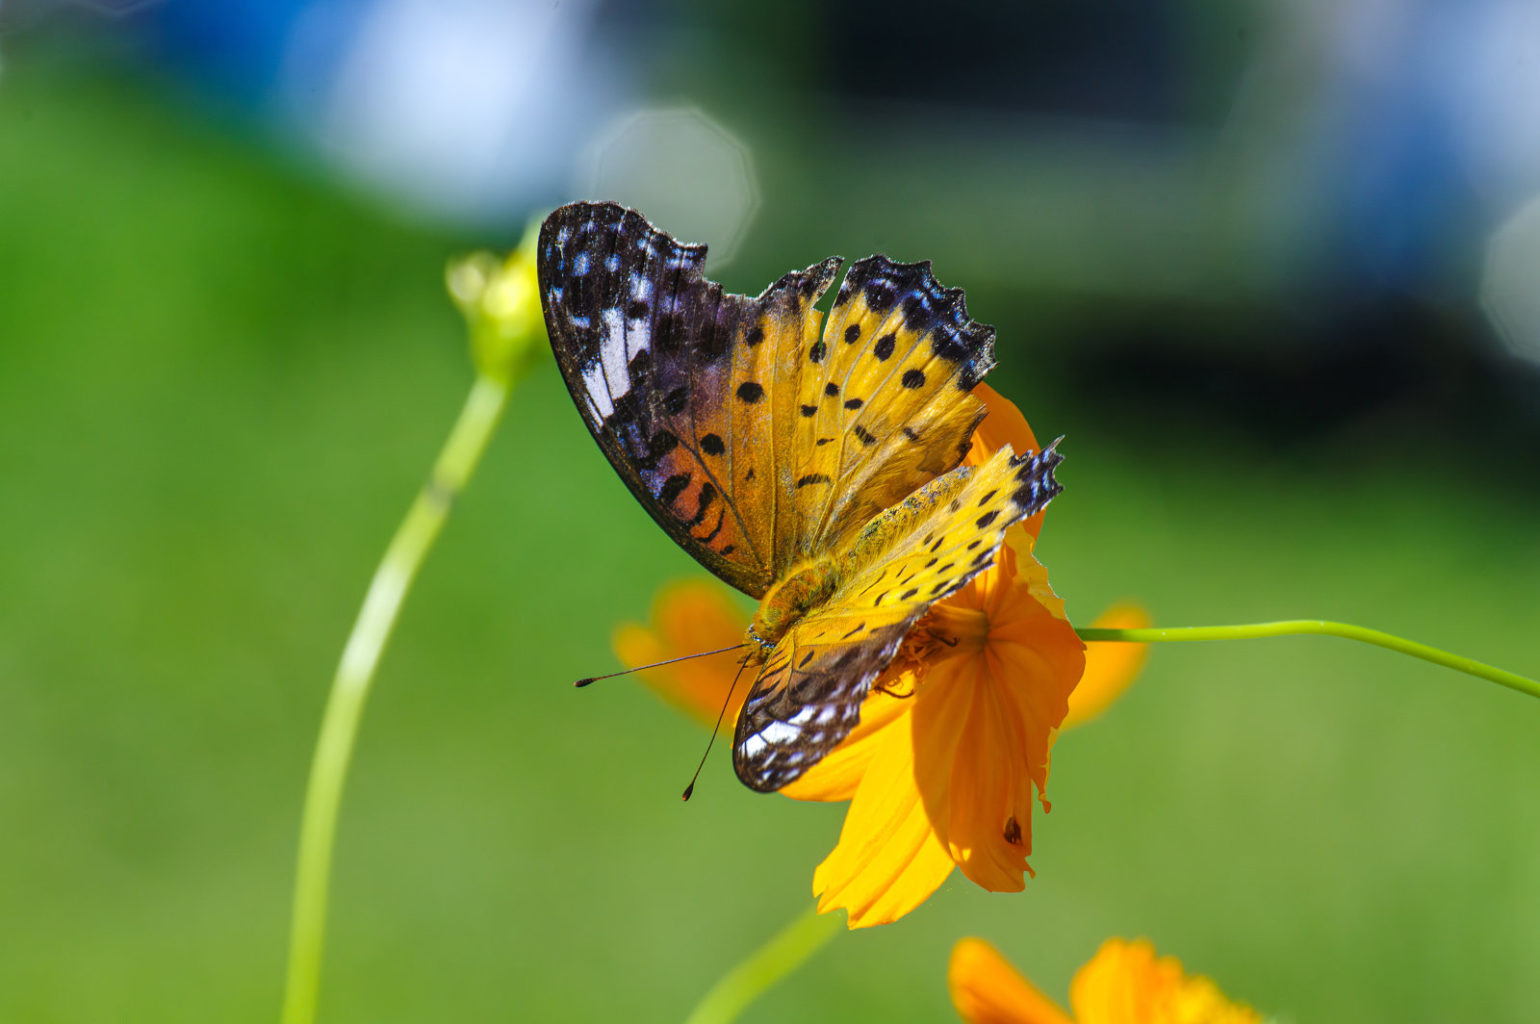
(672, 488)
(659, 445)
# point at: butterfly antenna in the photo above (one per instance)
(714, 729)
(642, 668)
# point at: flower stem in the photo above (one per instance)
(1320, 627)
(355, 673)
(787, 950)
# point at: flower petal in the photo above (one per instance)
(1005, 425)
(1109, 667)
(1021, 689)
(988, 990)
(889, 858)
(989, 829)
(1125, 983)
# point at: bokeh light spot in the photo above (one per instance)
(683, 171)
(1510, 284)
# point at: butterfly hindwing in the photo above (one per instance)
(808, 695)
(946, 533)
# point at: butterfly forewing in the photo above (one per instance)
(807, 697)
(887, 400)
(649, 348)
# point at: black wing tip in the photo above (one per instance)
(605, 213)
(928, 308)
(918, 276)
(807, 284)
(1034, 474)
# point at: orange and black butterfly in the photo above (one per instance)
(809, 461)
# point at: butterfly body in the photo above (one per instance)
(805, 588)
(811, 462)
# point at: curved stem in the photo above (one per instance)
(355, 673)
(1319, 627)
(787, 950)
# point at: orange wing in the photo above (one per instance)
(689, 391)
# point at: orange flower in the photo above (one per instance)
(954, 739)
(1124, 983)
(1109, 668)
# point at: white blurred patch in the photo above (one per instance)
(1493, 80)
(1510, 283)
(466, 108)
(683, 171)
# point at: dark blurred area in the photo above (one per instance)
(1292, 223)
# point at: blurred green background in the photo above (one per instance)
(224, 370)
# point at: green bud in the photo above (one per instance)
(501, 302)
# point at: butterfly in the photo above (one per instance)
(811, 462)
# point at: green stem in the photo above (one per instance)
(787, 950)
(1319, 627)
(334, 747)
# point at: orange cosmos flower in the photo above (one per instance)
(1124, 983)
(952, 747)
